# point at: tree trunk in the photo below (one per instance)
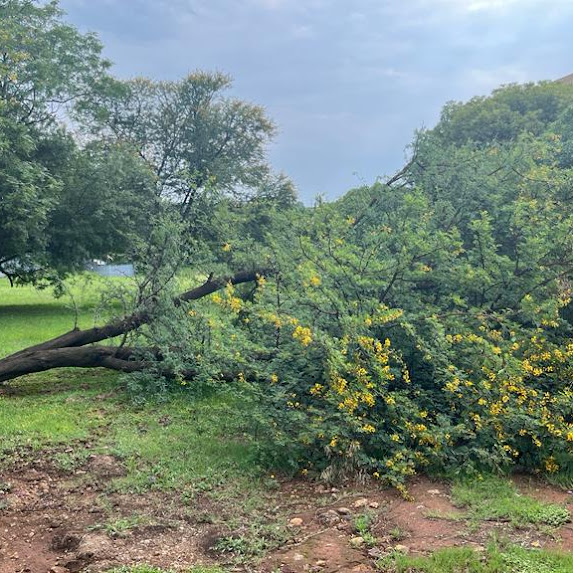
(70, 350)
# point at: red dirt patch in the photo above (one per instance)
(53, 521)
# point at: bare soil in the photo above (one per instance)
(53, 521)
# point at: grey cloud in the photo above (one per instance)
(346, 82)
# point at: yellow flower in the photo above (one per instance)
(303, 335)
(550, 465)
(316, 389)
(368, 429)
(315, 281)
(226, 247)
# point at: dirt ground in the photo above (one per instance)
(53, 522)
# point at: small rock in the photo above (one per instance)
(535, 544)
(320, 563)
(434, 491)
(295, 522)
(329, 517)
(401, 548)
(343, 511)
(374, 505)
(357, 542)
(375, 553)
(58, 569)
(359, 503)
(298, 557)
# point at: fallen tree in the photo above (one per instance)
(71, 348)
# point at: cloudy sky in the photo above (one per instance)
(347, 81)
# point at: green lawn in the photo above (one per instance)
(29, 315)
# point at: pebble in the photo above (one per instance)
(359, 503)
(329, 517)
(374, 505)
(357, 542)
(401, 548)
(295, 522)
(344, 511)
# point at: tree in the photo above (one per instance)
(27, 196)
(45, 66)
(192, 137)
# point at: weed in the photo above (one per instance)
(119, 527)
(252, 542)
(497, 559)
(497, 498)
(362, 525)
(397, 534)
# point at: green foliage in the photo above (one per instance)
(196, 141)
(252, 543)
(61, 205)
(363, 524)
(496, 498)
(46, 63)
(119, 527)
(509, 559)
(409, 328)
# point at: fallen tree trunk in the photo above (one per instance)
(70, 349)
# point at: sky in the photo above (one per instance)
(346, 81)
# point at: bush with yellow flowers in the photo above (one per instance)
(423, 324)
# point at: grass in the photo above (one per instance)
(178, 442)
(193, 446)
(197, 447)
(29, 315)
(53, 408)
(498, 499)
(510, 559)
(362, 525)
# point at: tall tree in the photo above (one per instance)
(193, 137)
(45, 66)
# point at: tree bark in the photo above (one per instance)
(70, 349)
